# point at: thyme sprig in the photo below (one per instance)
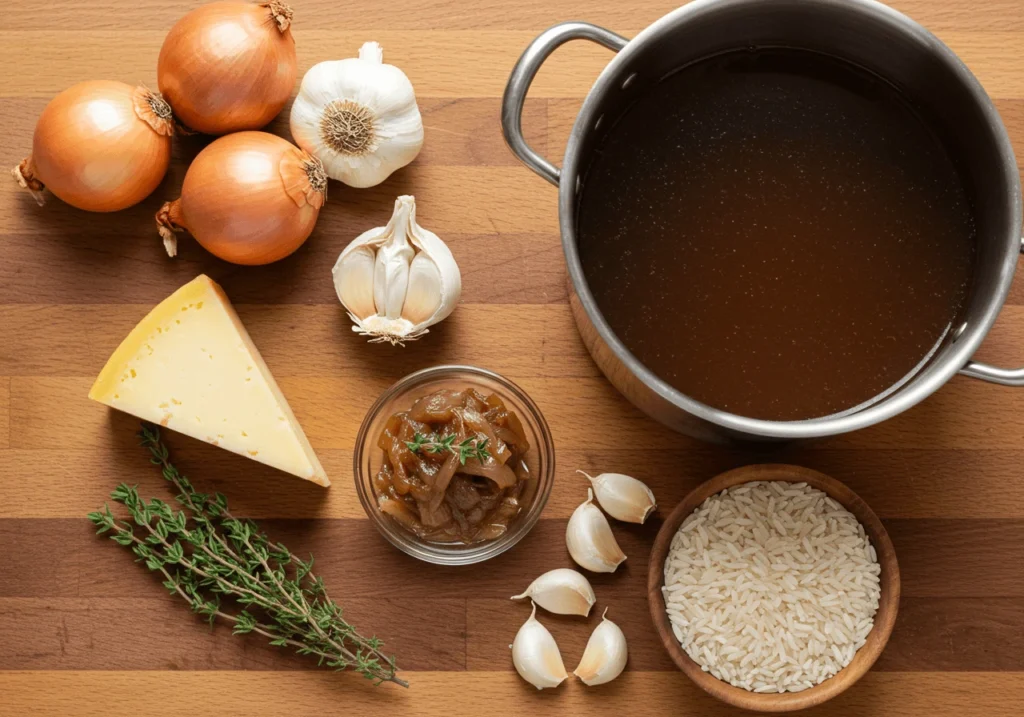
(207, 555)
(474, 447)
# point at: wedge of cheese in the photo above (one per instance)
(190, 366)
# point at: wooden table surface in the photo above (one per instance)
(83, 630)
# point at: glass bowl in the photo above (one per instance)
(540, 460)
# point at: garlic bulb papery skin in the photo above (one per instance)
(397, 280)
(622, 497)
(359, 117)
(605, 656)
(535, 655)
(590, 539)
(562, 591)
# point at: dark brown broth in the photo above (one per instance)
(776, 233)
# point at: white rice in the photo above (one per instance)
(771, 586)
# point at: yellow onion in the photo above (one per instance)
(249, 198)
(229, 66)
(99, 146)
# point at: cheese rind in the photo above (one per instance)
(190, 366)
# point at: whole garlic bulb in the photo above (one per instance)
(397, 280)
(359, 117)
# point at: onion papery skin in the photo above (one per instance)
(246, 199)
(93, 150)
(228, 66)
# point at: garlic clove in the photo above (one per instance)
(391, 279)
(605, 656)
(562, 591)
(590, 539)
(535, 655)
(391, 271)
(622, 497)
(413, 278)
(354, 278)
(424, 296)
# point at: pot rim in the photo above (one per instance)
(923, 385)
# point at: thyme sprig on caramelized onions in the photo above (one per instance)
(473, 447)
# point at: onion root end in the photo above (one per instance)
(167, 224)
(281, 13)
(153, 109)
(27, 180)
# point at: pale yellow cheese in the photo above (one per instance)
(190, 366)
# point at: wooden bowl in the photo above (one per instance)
(864, 658)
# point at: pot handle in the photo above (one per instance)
(522, 76)
(994, 374)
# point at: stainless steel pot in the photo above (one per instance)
(864, 32)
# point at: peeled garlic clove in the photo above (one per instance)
(535, 655)
(562, 591)
(605, 656)
(622, 497)
(397, 280)
(590, 539)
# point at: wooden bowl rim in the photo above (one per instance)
(885, 618)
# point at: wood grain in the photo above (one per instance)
(73, 633)
(83, 630)
(5, 412)
(469, 694)
(93, 328)
(893, 482)
(965, 414)
(440, 63)
(943, 557)
(482, 14)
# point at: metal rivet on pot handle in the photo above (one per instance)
(522, 75)
(994, 374)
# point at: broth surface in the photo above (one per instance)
(776, 233)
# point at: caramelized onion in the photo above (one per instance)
(229, 66)
(99, 146)
(248, 198)
(434, 490)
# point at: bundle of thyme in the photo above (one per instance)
(226, 567)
